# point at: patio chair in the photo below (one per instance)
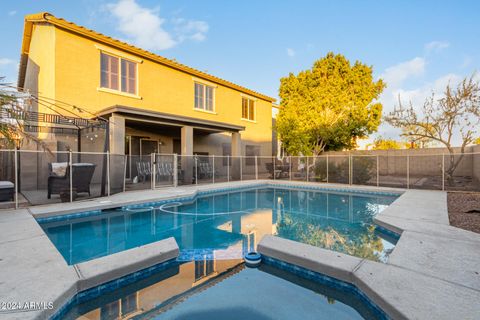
(144, 170)
(284, 170)
(205, 170)
(82, 174)
(164, 171)
(274, 173)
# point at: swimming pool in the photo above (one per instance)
(225, 289)
(227, 224)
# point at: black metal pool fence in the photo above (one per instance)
(29, 177)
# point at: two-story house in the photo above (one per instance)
(153, 104)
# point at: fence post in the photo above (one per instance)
(256, 167)
(196, 169)
(228, 168)
(408, 171)
(378, 173)
(213, 168)
(273, 167)
(108, 173)
(71, 174)
(175, 170)
(125, 171)
(443, 172)
(350, 169)
(290, 168)
(15, 156)
(327, 168)
(308, 171)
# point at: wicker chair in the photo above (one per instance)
(82, 174)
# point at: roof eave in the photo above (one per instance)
(61, 23)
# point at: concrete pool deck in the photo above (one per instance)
(433, 273)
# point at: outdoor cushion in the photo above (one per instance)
(6, 185)
(59, 168)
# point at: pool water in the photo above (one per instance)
(226, 225)
(225, 289)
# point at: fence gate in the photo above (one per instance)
(163, 170)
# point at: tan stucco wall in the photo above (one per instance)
(161, 88)
(66, 67)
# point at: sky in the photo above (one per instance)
(416, 47)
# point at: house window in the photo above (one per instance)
(250, 153)
(204, 97)
(109, 73)
(118, 74)
(248, 109)
(128, 76)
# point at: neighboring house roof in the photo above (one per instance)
(72, 27)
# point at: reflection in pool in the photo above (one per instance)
(225, 289)
(224, 226)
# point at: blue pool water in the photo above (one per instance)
(225, 289)
(226, 225)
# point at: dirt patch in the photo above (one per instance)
(464, 210)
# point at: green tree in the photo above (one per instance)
(386, 144)
(328, 106)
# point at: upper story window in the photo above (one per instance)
(118, 74)
(204, 97)
(129, 76)
(109, 71)
(248, 109)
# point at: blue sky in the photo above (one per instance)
(416, 46)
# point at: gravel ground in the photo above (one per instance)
(464, 210)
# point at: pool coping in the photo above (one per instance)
(414, 213)
(95, 272)
(63, 285)
(433, 272)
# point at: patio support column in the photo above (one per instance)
(114, 166)
(117, 134)
(187, 152)
(236, 153)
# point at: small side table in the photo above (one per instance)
(6, 191)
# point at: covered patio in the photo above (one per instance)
(140, 133)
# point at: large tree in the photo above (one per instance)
(455, 114)
(328, 106)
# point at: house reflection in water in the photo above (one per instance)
(221, 226)
(212, 244)
(154, 292)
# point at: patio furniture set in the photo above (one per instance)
(59, 178)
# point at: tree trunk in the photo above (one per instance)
(453, 164)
